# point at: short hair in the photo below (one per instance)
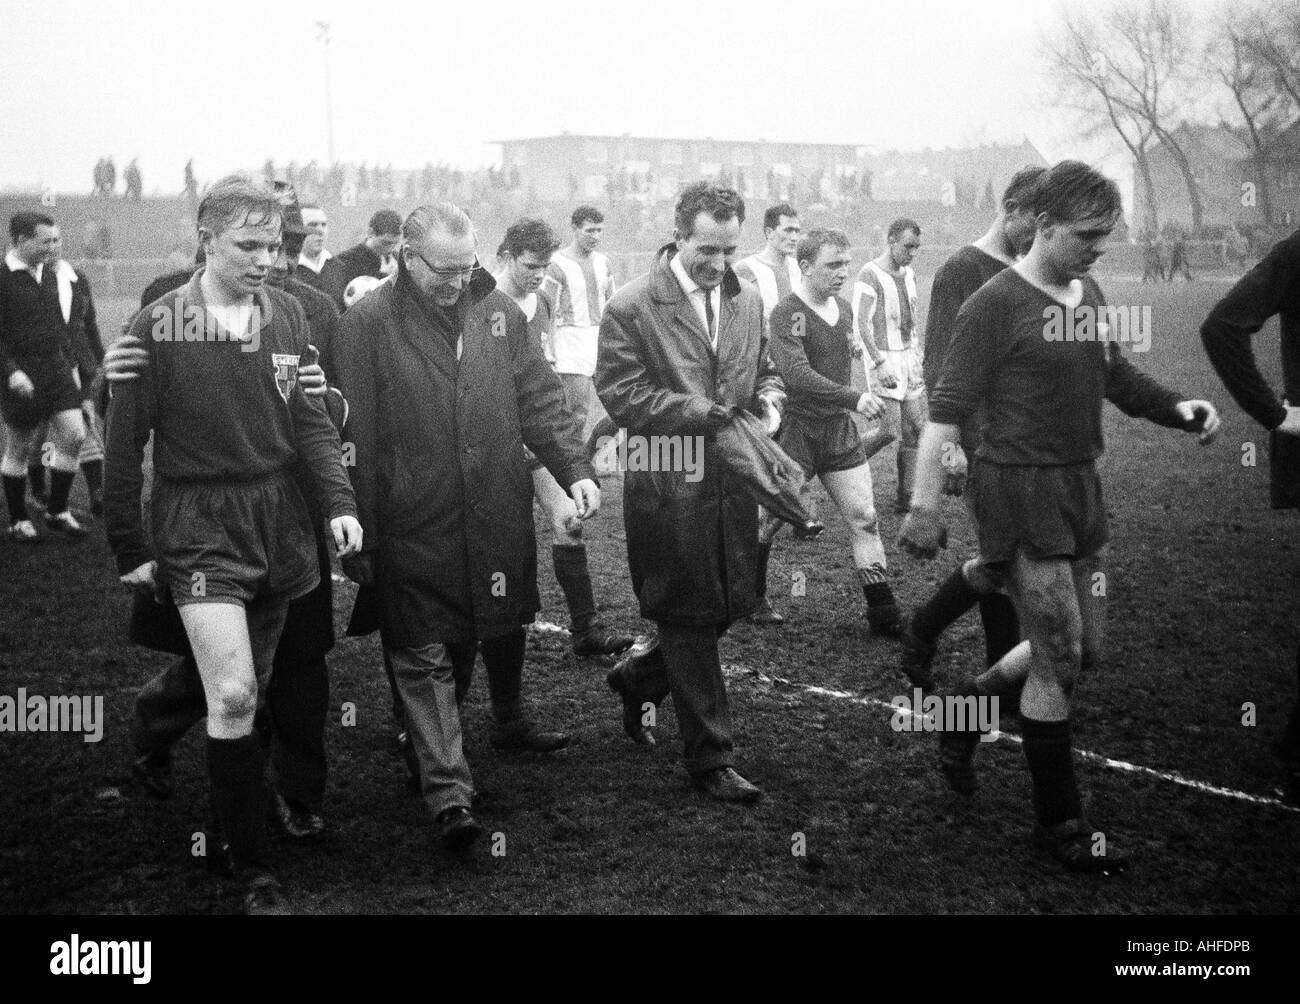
(812, 242)
(23, 225)
(584, 213)
(437, 216)
(385, 222)
(1071, 190)
(236, 200)
(772, 218)
(529, 234)
(705, 197)
(1020, 189)
(901, 226)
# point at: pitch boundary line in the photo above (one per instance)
(1105, 761)
(736, 670)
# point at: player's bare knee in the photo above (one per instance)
(236, 700)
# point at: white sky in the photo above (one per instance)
(232, 83)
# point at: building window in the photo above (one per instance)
(595, 153)
(743, 156)
(671, 154)
(594, 185)
(710, 169)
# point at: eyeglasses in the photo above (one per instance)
(446, 273)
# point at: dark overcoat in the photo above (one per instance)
(692, 545)
(444, 491)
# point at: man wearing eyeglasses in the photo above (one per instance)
(446, 388)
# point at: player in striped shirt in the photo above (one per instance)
(775, 272)
(579, 283)
(774, 269)
(884, 312)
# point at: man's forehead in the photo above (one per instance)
(707, 230)
(438, 244)
(910, 238)
(45, 232)
(786, 222)
(268, 230)
(592, 225)
(1104, 223)
(314, 216)
(829, 254)
(534, 260)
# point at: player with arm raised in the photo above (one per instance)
(1271, 288)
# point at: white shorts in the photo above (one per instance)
(906, 365)
(575, 349)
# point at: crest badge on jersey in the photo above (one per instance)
(286, 373)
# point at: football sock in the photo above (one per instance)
(504, 658)
(93, 470)
(952, 599)
(764, 553)
(235, 774)
(878, 594)
(36, 475)
(60, 487)
(1001, 626)
(15, 496)
(570, 562)
(1047, 750)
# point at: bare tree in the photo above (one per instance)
(1240, 55)
(1078, 69)
(1129, 66)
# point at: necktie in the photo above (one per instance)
(708, 316)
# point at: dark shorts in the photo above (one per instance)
(822, 446)
(1044, 512)
(228, 542)
(56, 391)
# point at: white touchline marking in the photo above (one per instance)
(1105, 761)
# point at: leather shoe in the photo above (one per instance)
(524, 736)
(638, 733)
(726, 785)
(457, 828)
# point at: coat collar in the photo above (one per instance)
(664, 286)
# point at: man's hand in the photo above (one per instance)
(311, 378)
(586, 496)
(923, 533)
(771, 414)
(347, 535)
(360, 568)
(125, 359)
(144, 579)
(885, 373)
(1291, 424)
(955, 468)
(869, 405)
(21, 384)
(1201, 416)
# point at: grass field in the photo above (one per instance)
(1202, 588)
